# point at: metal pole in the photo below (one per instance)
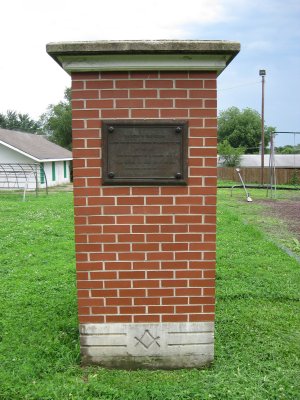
(262, 128)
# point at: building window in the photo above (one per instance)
(65, 169)
(53, 171)
(42, 173)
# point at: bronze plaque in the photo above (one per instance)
(152, 152)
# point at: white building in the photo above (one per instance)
(27, 148)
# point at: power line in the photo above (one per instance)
(242, 85)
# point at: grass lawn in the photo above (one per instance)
(257, 326)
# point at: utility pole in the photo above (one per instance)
(262, 73)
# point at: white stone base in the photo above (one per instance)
(131, 346)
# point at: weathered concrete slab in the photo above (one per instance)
(166, 345)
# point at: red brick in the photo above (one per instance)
(202, 300)
(175, 246)
(145, 283)
(146, 209)
(104, 310)
(174, 318)
(132, 275)
(130, 200)
(116, 210)
(174, 283)
(175, 210)
(118, 318)
(204, 94)
(99, 104)
(129, 84)
(117, 284)
(173, 94)
(210, 104)
(173, 228)
(190, 200)
(103, 256)
(164, 292)
(94, 124)
(121, 113)
(131, 256)
(117, 247)
(191, 83)
(77, 85)
(182, 103)
(173, 264)
(186, 309)
(115, 191)
(210, 122)
(159, 200)
(77, 104)
(89, 285)
(104, 293)
(163, 238)
(116, 229)
(159, 103)
(85, 94)
(201, 317)
(174, 300)
(145, 265)
(160, 274)
(143, 93)
(132, 293)
(114, 94)
(145, 318)
(118, 266)
(131, 238)
(147, 300)
(159, 84)
(145, 191)
(132, 310)
(122, 301)
(99, 84)
(209, 308)
(187, 255)
(188, 292)
(160, 309)
(174, 113)
(188, 274)
(145, 228)
(130, 219)
(159, 219)
(145, 113)
(90, 319)
(129, 103)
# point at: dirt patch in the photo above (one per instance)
(285, 210)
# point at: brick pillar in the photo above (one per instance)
(145, 254)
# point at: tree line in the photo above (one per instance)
(239, 131)
(55, 123)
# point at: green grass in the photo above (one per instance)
(257, 327)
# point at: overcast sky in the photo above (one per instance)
(268, 30)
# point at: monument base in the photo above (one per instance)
(152, 346)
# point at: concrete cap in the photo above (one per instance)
(70, 54)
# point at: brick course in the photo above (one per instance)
(145, 254)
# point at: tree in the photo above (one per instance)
(229, 156)
(288, 149)
(56, 123)
(13, 120)
(242, 129)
